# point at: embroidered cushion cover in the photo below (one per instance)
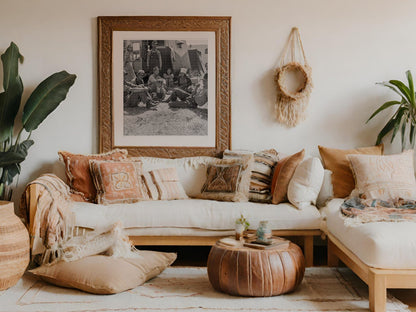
(384, 177)
(77, 169)
(118, 181)
(228, 179)
(283, 173)
(336, 161)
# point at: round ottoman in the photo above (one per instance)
(246, 271)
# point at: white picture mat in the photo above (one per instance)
(118, 112)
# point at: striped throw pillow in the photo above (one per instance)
(261, 172)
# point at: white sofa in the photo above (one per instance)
(194, 221)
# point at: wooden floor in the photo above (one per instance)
(198, 255)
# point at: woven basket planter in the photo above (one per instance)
(14, 246)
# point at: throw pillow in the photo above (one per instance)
(228, 179)
(106, 275)
(384, 177)
(77, 169)
(327, 192)
(164, 184)
(336, 161)
(118, 181)
(306, 183)
(283, 172)
(261, 173)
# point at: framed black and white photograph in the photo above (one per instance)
(164, 85)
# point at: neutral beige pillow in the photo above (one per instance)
(228, 179)
(106, 275)
(336, 161)
(384, 177)
(283, 172)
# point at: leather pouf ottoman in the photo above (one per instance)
(245, 271)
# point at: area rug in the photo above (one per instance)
(188, 289)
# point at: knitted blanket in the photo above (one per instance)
(359, 210)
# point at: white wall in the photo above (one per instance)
(350, 45)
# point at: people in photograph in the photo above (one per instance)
(198, 97)
(128, 62)
(154, 57)
(135, 92)
(157, 85)
(169, 78)
(184, 87)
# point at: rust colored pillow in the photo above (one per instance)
(283, 172)
(118, 181)
(336, 161)
(77, 169)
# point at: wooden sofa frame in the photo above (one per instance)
(378, 280)
(306, 236)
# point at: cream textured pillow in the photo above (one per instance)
(384, 177)
(164, 184)
(106, 275)
(327, 191)
(228, 179)
(306, 183)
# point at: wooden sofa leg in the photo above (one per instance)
(308, 250)
(377, 292)
(333, 260)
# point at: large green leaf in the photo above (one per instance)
(45, 98)
(386, 129)
(398, 120)
(16, 154)
(9, 172)
(13, 89)
(10, 60)
(383, 107)
(403, 89)
(403, 134)
(411, 87)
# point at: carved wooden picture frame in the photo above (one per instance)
(152, 111)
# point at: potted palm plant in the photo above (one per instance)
(404, 117)
(15, 137)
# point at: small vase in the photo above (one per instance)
(239, 230)
(14, 246)
(263, 231)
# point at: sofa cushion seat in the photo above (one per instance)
(195, 214)
(384, 245)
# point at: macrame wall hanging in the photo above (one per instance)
(293, 81)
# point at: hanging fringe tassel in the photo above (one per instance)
(291, 107)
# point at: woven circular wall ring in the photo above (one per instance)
(305, 82)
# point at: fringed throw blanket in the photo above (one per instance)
(51, 227)
(50, 221)
(359, 210)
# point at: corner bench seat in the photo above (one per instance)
(383, 245)
(176, 217)
(382, 254)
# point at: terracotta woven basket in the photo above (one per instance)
(14, 246)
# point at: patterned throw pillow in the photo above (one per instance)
(283, 173)
(118, 181)
(261, 173)
(228, 179)
(336, 161)
(77, 169)
(384, 177)
(164, 184)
